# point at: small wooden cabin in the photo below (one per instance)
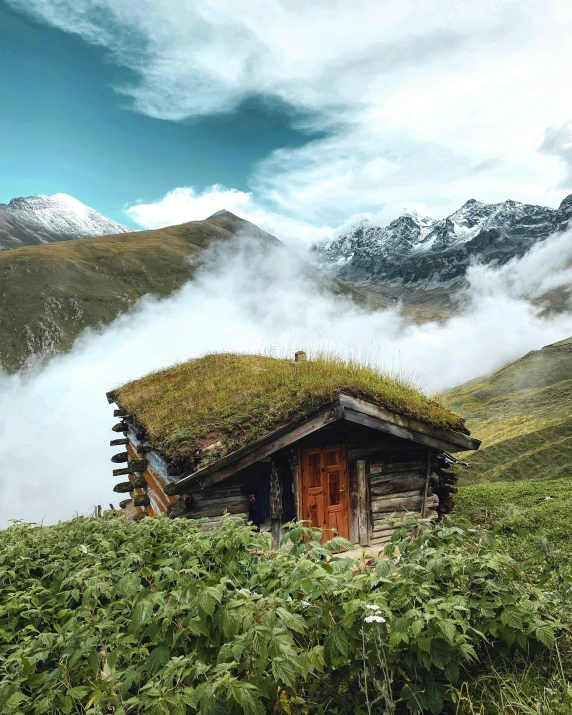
(277, 440)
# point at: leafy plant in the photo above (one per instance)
(101, 615)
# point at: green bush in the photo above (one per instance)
(101, 615)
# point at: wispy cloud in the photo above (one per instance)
(558, 142)
(187, 204)
(422, 102)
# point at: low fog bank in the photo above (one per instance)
(55, 424)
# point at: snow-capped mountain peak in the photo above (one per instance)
(44, 219)
(417, 249)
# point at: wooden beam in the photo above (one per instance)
(354, 501)
(258, 450)
(123, 487)
(426, 490)
(117, 442)
(414, 427)
(294, 467)
(397, 431)
(363, 502)
(397, 484)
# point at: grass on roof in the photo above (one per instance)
(236, 399)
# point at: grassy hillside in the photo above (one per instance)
(521, 481)
(50, 293)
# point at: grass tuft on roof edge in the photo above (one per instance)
(230, 400)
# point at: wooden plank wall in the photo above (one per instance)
(396, 482)
(397, 488)
(211, 504)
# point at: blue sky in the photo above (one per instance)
(299, 116)
(65, 129)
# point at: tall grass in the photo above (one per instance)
(191, 405)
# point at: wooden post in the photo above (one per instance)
(363, 501)
(275, 506)
(295, 483)
(354, 506)
(426, 492)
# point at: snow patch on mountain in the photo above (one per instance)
(44, 219)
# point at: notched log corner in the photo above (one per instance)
(139, 483)
(170, 489)
(118, 442)
(123, 487)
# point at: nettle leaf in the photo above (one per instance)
(206, 601)
(78, 692)
(283, 671)
(383, 568)
(250, 700)
(434, 693)
(545, 635)
(448, 629)
(291, 620)
(158, 657)
(337, 643)
(511, 617)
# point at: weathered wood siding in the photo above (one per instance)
(212, 504)
(397, 487)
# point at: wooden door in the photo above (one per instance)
(324, 489)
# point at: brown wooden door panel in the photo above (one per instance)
(324, 489)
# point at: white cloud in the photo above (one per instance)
(547, 266)
(422, 101)
(55, 423)
(558, 142)
(187, 204)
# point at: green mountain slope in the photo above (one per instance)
(523, 414)
(50, 293)
(521, 481)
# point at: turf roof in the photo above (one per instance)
(230, 400)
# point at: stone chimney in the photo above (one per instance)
(299, 356)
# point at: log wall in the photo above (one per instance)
(397, 483)
(149, 473)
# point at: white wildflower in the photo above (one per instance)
(83, 548)
(375, 619)
(305, 604)
(372, 607)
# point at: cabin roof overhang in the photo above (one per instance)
(345, 407)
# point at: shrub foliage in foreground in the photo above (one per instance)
(100, 615)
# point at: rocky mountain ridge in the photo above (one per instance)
(422, 251)
(31, 220)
